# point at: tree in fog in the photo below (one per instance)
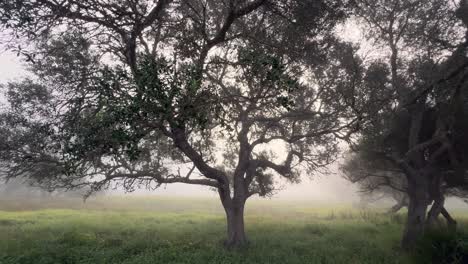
(17, 187)
(376, 178)
(224, 94)
(387, 180)
(417, 127)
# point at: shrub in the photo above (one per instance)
(442, 247)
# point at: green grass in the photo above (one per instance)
(166, 230)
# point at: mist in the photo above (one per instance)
(234, 131)
(321, 187)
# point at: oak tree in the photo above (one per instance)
(223, 94)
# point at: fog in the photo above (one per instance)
(321, 188)
(329, 187)
(10, 66)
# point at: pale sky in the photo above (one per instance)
(323, 188)
(10, 66)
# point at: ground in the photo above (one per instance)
(190, 230)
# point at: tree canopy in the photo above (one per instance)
(236, 94)
(414, 140)
(199, 92)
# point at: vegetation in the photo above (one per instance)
(168, 230)
(127, 95)
(236, 95)
(413, 139)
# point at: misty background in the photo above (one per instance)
(328, 187)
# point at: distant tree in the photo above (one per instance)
(17, 188)
(410, 129)
(144, 93)
(24, 188)
(390, 182)
(382, 180)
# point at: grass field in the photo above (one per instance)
(167, 230)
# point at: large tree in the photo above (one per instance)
(423, 76)
(224, 94)
(377, 176)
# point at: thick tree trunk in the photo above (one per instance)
(414, 228)
(235, 225)
(418, 202)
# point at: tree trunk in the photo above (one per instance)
(401, 202)
(451, 223)
(235, 225)
(418, 202)
(438, 207)
(394, 209)
(434, 212)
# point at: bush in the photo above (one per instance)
(442, 247)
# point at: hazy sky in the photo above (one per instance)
(10, 67)
(325, 187)
(322, 188)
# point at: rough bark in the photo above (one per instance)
(235, 224)
(418, 183)
(418, 202)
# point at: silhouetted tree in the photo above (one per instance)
(144, 93)
(422, 112)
